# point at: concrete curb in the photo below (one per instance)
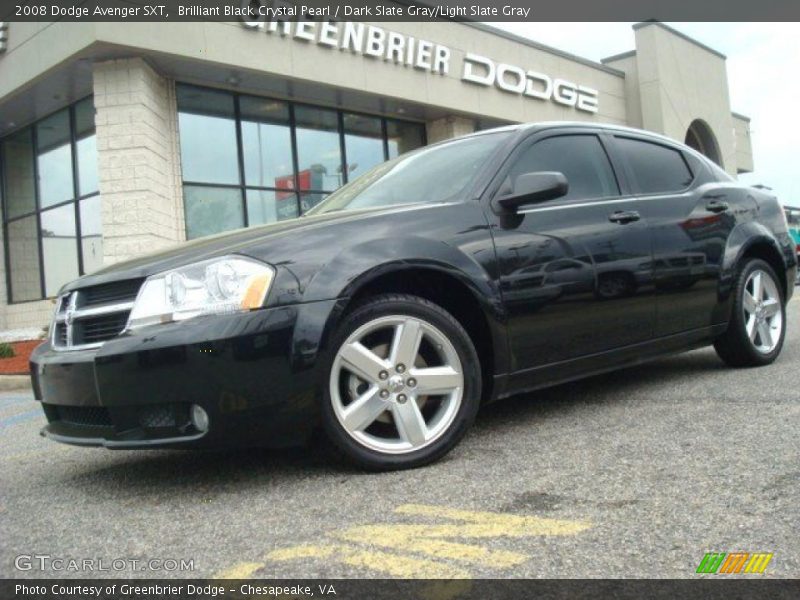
(15, 383)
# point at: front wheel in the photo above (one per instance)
(404, 383)
(758, 324)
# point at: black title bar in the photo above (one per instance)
(713, 588)
(399, 10)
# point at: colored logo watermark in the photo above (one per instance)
(734, 562)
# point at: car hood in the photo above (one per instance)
(273, 243)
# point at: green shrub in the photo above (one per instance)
(6, 350)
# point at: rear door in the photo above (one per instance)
(691, 218)
(575, 272)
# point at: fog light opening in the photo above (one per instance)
(199, 418)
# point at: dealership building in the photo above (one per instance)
(119, 139)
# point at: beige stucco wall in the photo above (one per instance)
(628, 64)
(680, 81)
(743, 144)
(35, 49)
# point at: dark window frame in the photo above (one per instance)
(636, 186)
(540, 136)
(76, 199)
(292, 105)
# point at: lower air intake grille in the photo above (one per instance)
(84, 416)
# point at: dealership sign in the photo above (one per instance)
(401, 49)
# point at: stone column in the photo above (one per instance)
(138, 159)
(448, 127)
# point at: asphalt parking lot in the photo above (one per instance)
(637, 473)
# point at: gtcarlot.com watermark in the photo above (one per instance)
(60, 564)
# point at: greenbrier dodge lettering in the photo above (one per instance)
(408, 51)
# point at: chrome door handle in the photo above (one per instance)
(717, 206)
(624, 216)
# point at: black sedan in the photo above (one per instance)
(452, 276)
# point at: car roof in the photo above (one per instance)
(522, 128)
(542, 125)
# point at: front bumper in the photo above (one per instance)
(253, 373)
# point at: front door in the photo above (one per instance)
(575, 272)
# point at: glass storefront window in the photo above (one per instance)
(309, 200)
(40, 194)
(91, 234)
(403, 136)
(59, 255)
(249, 160)
(54, 160)
(363, 141)
(208, 136)
(86, 147)
(87, 165)
(266, 143)
(84, 117)
(23, 260)
(20, 192)
(211, 210)
(268, 206)
(319, 152)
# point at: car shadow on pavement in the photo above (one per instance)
(213, 472)
(198, 473)
(611, 387)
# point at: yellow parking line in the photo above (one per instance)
(394, 565)
(440, 549)
(422, 539)
(243, 570)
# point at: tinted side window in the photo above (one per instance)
(582, 160)
(656, 168)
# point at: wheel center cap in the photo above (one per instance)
(396, 384)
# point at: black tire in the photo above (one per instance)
(419, 308)
(734, 346)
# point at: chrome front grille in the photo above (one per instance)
(88, 317)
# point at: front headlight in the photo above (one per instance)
(217, 286)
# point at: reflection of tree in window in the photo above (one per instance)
(212, 210)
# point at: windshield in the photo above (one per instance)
(431, 175)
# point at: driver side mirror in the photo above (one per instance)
(530, 188)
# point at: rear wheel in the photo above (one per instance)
(758, 323)
(403, 383)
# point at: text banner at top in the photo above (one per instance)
(254, 11)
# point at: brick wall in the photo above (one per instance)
(139, 164)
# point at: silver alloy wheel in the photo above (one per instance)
(763, 317)
(394, 384)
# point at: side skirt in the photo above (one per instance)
(595, 364)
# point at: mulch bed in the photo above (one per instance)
(18, 364)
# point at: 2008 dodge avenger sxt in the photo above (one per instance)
(452, 276)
